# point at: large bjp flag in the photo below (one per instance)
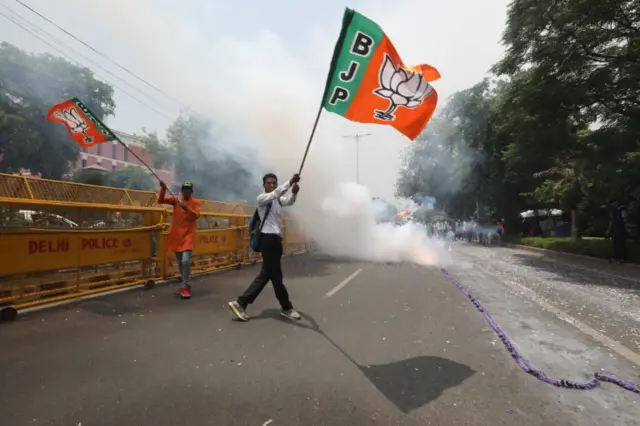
(369, 83)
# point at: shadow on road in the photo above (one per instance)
(565, 272)
(411, 383)
(408, 384)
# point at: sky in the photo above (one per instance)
(257, 68)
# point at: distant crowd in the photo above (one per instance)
(486, 233)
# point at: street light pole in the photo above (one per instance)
(357, 137)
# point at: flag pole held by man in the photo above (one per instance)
(369, 83)
(182, 233)
(266, 238)
(88, 130)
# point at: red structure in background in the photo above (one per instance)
(113, 156)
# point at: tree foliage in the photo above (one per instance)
(557, 126)
(29, 86)
(200, 154)
(131, 177)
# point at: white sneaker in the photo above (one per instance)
(238, 311)
(292, 314)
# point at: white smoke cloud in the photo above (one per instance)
(350, 213)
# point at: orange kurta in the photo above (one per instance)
(182, 234)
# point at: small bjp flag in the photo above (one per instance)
(84, 127)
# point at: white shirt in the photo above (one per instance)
(273, 224)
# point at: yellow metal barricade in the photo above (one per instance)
(45, 265)
(45, 250)
(61, 240)
(214, 250)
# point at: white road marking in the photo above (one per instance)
(342, 284)
(615, 346)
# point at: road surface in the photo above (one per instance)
(379, 345)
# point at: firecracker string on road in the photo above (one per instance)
(524, 364)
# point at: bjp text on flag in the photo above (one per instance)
(369, 83)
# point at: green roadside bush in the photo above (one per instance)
(593, 247)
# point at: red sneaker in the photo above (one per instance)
(179, 290)
(185, 292)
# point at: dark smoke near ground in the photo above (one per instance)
(219, 175)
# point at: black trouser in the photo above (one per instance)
(271, 248)
(619, 246)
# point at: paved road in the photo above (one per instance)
(397, 345)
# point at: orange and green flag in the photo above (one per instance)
(85, 128)
(369, 83)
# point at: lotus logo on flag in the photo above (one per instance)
(85, 128)
(369, 83)
(401, 87)
(75, 122)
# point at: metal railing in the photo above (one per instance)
(61, 240)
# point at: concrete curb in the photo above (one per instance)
(565, 254)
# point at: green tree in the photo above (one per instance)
(541, 140)
(581, 61)
(559, 128)
(29, 86)
(130, 177)
(450, 160)
(200, 154)
(163, 154)
(593, 48)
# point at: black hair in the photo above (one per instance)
(267, 176)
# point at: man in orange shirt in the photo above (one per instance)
(182, 234)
